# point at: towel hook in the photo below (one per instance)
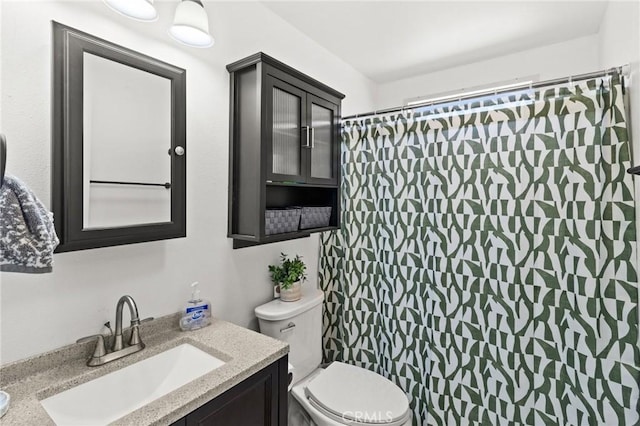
(3, 157)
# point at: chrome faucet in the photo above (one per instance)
(135, 322)
(100, 354)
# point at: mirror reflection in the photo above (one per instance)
(126, 145)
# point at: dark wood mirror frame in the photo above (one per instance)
(69, 46)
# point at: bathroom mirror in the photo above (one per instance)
(119, 144)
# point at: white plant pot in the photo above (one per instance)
(291, 294)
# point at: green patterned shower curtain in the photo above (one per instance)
(487, 260)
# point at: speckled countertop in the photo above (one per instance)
(244, 351)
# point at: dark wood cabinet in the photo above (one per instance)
(301, 143)
(101, 196)
(260, 400)
(284, 147)
(324, 152)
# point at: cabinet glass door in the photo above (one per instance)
(324, 150)
(285, 155)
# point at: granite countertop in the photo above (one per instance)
(244, 351)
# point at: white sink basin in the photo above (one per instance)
(119, 393)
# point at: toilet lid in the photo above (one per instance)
(358, 395)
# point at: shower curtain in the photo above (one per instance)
(487, 260)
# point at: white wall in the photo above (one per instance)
(42, 312)
(553, 61)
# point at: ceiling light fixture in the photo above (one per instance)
(191, 24)
(140, 10)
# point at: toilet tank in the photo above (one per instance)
(300, 325)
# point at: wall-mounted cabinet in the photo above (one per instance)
(284, 150)
(119, 165)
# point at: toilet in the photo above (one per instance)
(339, 394)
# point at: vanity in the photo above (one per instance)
(247, 384)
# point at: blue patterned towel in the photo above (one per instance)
(27, 235)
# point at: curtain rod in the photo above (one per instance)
(538, 84)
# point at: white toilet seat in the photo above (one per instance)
(350, 395)
(358, 422)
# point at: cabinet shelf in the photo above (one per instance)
(241, 241)
(300, 184)
(271, 164)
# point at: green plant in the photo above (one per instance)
(288, 272)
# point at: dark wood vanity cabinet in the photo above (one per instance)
(284, 147)
(259, 400)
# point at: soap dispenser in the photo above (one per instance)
(197, 312)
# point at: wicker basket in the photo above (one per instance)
(315, 217)
(280, 221)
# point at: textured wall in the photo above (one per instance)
(47, 311)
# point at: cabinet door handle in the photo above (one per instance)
(308, 145)
(313, 138)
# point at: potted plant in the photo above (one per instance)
(288, 275)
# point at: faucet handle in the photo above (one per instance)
(100, 349)
(136, 322)
(89, 338)
(135, 332)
